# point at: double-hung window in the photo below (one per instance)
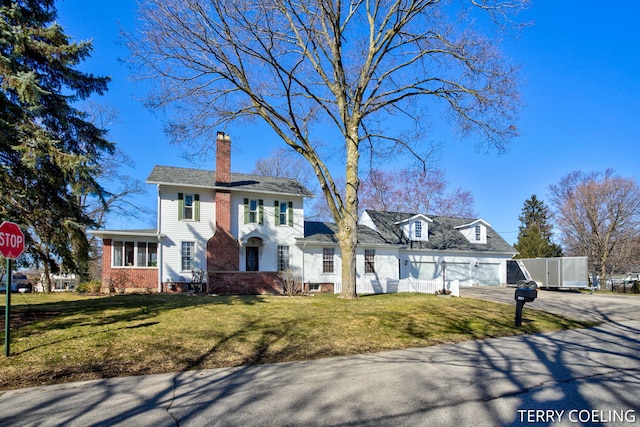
(283, 258)
(283, 213)
(189, 207)
(327, 260)
(187, 255)
(478, 233)
(253, 211)
(369, 261)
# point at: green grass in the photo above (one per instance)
(69, 337)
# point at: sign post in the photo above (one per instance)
(11, 246)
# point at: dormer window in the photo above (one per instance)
(475, 232)
(415, 228)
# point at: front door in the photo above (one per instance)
(252, 258)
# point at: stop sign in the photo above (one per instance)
(11, 240)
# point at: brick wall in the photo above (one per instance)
(136, 279)
(244, 282)
(106, 260)
(223, 250)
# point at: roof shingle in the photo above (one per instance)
(200, 178)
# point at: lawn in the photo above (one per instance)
(69, 337)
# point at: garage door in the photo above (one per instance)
(459, 271)
(489, 274)
(424, 270)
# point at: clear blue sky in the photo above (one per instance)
(581, 89)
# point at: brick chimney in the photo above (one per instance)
(223, 159)
(223, 251)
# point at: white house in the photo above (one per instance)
(239, 231)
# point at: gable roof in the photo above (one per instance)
(199, 178)
(443, 233)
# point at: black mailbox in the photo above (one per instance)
(526, 291)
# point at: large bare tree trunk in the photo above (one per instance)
(348, 221)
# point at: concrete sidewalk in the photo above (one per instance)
(589, 376)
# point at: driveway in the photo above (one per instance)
(599, 307)
(576, 377)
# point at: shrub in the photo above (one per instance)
(291, 282)
(92, 286)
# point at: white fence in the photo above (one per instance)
(409, 284)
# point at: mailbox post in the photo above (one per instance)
(526, 291)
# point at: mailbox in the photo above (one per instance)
(526, 291)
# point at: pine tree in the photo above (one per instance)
(535, 232)
(48, 148)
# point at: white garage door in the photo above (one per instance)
(489, 274)
(459, 271)
(425, 270)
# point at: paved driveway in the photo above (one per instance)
(598, 307)
(572, 378)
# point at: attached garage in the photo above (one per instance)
(459, 271)
(489, 274)
(425, 270)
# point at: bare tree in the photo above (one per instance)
(119, 187)
(286, 163)
(598, 215)
(357, 72)
(408, 190)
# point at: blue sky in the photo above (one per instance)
(580, 66)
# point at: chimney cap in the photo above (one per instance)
(222, 135)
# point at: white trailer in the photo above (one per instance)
(561, 272)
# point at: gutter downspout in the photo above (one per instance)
(159, 234)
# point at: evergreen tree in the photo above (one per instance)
(534, 235)
(48, 148)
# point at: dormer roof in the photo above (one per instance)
(413, 218)
(444, 232)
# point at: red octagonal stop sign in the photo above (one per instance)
(11, 240)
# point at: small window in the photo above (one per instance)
(283, 214)
(283, 258)
(188, 206)
(418, 229)
(369, 261)
(327, 260)
(253, 211)
(187, 256)
(478, 233)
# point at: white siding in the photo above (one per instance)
(313, 265)
(386, 262)
(178, 231)
(272, 235)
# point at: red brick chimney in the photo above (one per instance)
(223, 159)
(223, 251)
